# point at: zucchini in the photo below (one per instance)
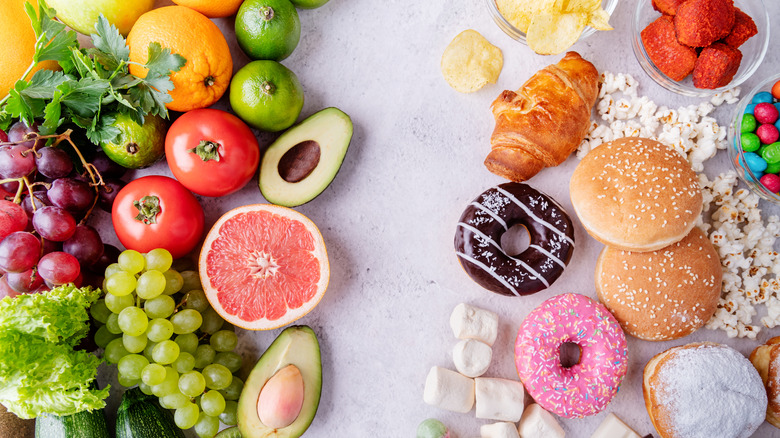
(84, 424)
(230, 432)
(141, 416)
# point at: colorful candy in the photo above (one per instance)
(767, 133)
(754, 162)
(765, 113)
(759, 138)
(771, 182)
(763, 96)
(748, 125)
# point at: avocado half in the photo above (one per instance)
(298, 346)
(303, 161)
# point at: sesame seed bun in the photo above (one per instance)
(661, 295)
(636, 194)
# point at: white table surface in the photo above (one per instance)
(389, 217)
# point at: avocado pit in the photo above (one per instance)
(281, 399)
(300, 161)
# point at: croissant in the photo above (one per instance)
(542, 123)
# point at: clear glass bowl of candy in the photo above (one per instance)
(754, 139)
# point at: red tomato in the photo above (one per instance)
(211, 152)
(175, 223)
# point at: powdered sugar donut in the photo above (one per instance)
(589, 385)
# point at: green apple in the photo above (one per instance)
(308, 4)
(81, 15)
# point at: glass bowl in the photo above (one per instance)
(753, 50)
(517, 34)
(737, 155)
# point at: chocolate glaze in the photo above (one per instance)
(490, 215)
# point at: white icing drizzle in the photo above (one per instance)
(488, 270)
(533, 216)
(491, 213)
(549, 254)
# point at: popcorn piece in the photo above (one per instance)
(469, 322)
(499, 399)
(498, 430)
(472, 357)
(614, 427)
(449, 390)
(538, 423)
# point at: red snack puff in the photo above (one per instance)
(667, 7)
(669, 56)
(744, 28)
(716, 66)
(699, 23)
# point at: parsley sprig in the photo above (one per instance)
(94, 84)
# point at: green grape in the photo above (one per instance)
(196, 299)
(192, 384)
(233, 391)
(150, 284)
(204, 355)
(134, 344)
(230, 415)
(212, 403)
(131, 261)
(159, 330)
(186, 416)
(158, 259)
(212, 322)
(133, 321)
(207, 426)
(184, 363)
(229, 360)
(217, 376)
(131, 366)
(120, 284)
(191, 281)
(165, 352)
(103, 336)
(188, 342)
(126, 382)
(115, 350)
(116, 303)
(112, 269)
(169, 386)
(175, 401)
(160, 307)
(173, 282)
(148, 350)
(153, 374)
(224, 340)
(186, 321)
(112, 324)
(146, 389)
(99, 311)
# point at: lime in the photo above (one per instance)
(308, 4)
(266, 95)
(137, 145)
(268, 29)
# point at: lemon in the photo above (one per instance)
(138, 145)
(268, 29)
(81, 15)
(266, 95)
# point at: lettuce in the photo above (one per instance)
(39, 369)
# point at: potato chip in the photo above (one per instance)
(599, 20)
(520, 12)
(470, 62)
(552, 33)
(580, 6)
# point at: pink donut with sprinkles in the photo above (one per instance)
(587, 387)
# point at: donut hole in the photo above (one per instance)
(515, 240)
(570, 354)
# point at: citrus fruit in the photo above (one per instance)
(206, 75)
(263, 266)
(308, 4)
(266, 95)
(211, 8)
(268, 29)
(18, 45)
(81, 15)
(138, 145)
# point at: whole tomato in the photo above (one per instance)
(211, 152)
(157, 212)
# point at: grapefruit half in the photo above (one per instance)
(263, 266)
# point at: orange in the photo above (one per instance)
(18, 44)
(206, 75)
(211, 8)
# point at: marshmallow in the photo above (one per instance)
(449, 390)
(499, 399)
(614, 427)
(538, 423)
(472, 357)
(498, 430)
(469, 322)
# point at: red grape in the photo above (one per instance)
(71, 194)
(107, 193)
(107, 167)
(54, 223)
(16, 161)
(19, 251)
(85, 245)
(24, 282)
(12, 218)
(110, 255)
(19, 130)
(6, 290)
(40, 199)
(53, 162)
(58, 268)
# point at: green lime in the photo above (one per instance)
(308, 4)
(266, 95)
(268, 29)
(137, 145)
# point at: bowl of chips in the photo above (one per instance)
(669, 64)
(549, 27)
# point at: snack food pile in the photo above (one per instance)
(758, 137)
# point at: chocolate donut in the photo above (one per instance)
(487, 218)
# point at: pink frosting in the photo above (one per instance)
(587, 387)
